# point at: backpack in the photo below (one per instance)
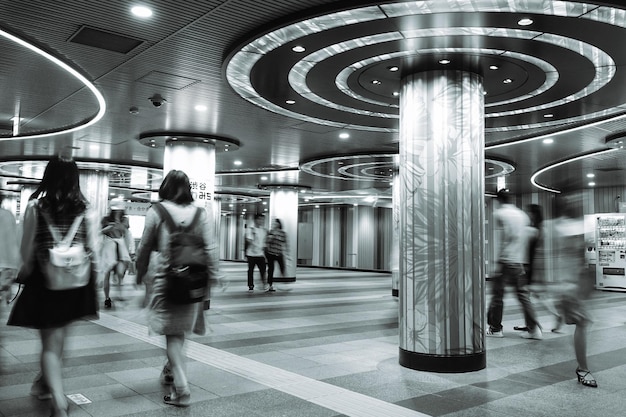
(187, 273)
(69, 264)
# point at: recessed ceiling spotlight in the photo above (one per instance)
(263, 178)
(200, 107)
(376, 82)
(591, 175)
(141, 11)
(344, 135)
(396, 94)
(298, 48)
(525, 21)
(290, 102)
(592, 184)
(548, 115)
(393, 68)
(493, 67)
(444, 61)
(507, 81)
(548, 141)
(237, 162)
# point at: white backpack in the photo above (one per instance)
(69, 265)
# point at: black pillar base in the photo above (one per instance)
(395, 293)
(285, 279)
(443, 363)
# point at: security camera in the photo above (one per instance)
(157, 100)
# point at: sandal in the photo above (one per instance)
(179, 400)
(585, 378)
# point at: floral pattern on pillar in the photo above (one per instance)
(441, 181)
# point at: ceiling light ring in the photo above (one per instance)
(325, 22)
(163, 138)
(73, 72)
(604, 64)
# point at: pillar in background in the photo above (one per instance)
(284, 206)
(95, 188)
(441, 180)
(197, 160)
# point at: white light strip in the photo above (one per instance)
(560, 132)
(257, 172)
(72, 71)
(578, 158)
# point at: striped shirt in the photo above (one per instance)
(276, 242)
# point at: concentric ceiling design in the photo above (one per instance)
(348, 69)
(379, 167)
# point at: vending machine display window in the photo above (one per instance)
(611, 251)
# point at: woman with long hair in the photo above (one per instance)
(59, 199)
(166, 317)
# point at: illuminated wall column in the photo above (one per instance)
(441, 180)
(284, 206)
(197, 160)
(95, 187)
(395, 236)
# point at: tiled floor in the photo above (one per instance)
(323, 346)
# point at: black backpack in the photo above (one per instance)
(187, 275)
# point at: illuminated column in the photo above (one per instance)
(395, 236)
(95, 187)
(197, 160)
(441, 306)
(284, 206)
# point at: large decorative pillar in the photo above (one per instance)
(197, 160)
(441, 221)
(194, 154)
(395, 236)
(284, 206)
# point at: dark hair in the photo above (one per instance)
(536, 215)
(279, 223)
(176, 188)
(59, 190)
(503, 196)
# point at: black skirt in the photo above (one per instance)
(40, 308)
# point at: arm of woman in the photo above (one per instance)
(148, 243)
(94, 241)
(27, 247)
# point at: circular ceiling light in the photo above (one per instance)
(393, 68)
(290, 102)
(444, 61)
(141, 11)
(298, 48)
(344, 135)
(525, 21)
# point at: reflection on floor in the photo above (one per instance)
(323, 346)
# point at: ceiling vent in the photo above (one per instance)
(164, 79)
(104, 40)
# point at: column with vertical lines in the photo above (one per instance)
(441, 205)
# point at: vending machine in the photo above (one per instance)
(611, 251)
